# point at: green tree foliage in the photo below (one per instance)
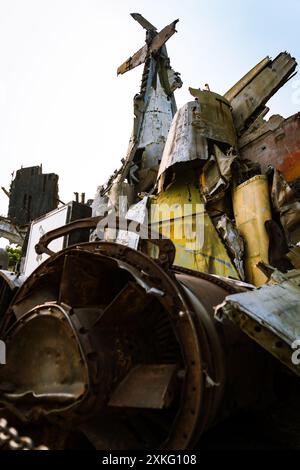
(14, 256)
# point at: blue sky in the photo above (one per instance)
(61, 103)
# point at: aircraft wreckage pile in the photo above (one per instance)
(136, 343)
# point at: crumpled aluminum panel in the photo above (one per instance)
(270, 315)
(275, 142)
(249, 96)
(137, 213)
(184, 143)
(208, 117)
(286, 204)
(214, 119)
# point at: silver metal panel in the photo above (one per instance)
(184, 143)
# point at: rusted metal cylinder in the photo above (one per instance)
(236, 371)
(125, 352)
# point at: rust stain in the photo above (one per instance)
(277, 146)
(290, 166)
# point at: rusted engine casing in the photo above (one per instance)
(125, 351)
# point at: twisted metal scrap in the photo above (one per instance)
(10, 439)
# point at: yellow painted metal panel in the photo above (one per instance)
(251, 204)
(198, 245)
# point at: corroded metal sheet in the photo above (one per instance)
(233, 241)
(197, 242)
(157, 119)
(208, 117)
(143, 22)
(183, 143)
(258, 88)
(287, 206)
(161, 38)
(137, 59)
(269, 315)
(277, 143)
(136, 213)
(140, 56)
(216, 174)
(244, 81)
(146, 386)
(214, 118)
